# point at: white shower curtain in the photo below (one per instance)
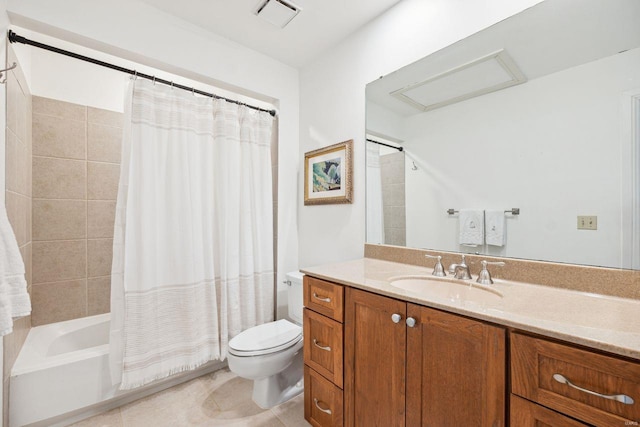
(375, 214)
(193, 251)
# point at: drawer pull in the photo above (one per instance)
(319, 298)
(321, 347)
(326, 411)
(622, 398)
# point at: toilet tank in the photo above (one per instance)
(294, 293)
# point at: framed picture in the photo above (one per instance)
(328, 174)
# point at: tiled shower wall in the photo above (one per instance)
(76, 155)
(393, 198)
(18, 202)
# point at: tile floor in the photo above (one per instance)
(217, 399)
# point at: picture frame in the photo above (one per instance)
(328, 174)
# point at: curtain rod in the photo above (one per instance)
(386, 145)
(15, 38)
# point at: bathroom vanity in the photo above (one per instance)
(383, 348)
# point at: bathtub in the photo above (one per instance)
(62, 375)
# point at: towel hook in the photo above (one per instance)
(14, 65)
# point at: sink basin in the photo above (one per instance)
(442, 287)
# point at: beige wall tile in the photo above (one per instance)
(27, 256)
(393, 194)
(59, 219)
(59, 178)
(55, 302)
(98, 295)
(104, 143)
(103, 181)
(56, 261)
(100, 254)
(60, 109)
(12, 101)
(18, 210)
(23, 168)
(104, 117)
(394, 217)
(101, 218)
(21, 114)
(5, 402)
(56, 137)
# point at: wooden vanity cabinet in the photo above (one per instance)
(323, 352)
(443, 370)
(529, 414)
(597, 389)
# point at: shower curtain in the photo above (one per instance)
(374, 208)
(193, 241)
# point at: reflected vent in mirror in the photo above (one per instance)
(487, 74)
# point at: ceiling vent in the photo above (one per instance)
(483, 75)
(277, 12)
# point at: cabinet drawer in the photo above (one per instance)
(596, 381)
(529, 414)
(324, 297)
(323, 345)
(322, 400)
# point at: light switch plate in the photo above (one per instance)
(587, 222)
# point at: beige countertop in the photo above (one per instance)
(601, 322)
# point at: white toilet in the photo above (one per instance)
(271, 354)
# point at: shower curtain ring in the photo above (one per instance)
(193, 91)
(171, 84)
(135, 74)
(154, 80)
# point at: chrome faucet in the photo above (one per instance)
(484, 277)
(460, 271)
(438, 269)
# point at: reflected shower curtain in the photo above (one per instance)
(374, 208)
(182, 270)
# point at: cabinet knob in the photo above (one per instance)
(396, 318)
(411, 322)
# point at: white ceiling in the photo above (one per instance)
(551, 36)
(320, 25)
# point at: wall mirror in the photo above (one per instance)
(540, 112)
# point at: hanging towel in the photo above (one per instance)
(14, 299)
(496, 228)
(471, 227)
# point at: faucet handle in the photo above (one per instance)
(484, 277)
(438, 269)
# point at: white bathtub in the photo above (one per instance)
(62, 375)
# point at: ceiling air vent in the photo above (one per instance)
(277, 12)
(484, 75)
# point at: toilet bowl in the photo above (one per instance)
(271, 354)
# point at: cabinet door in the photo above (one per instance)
(455, 371)
(375, 352)
(529, 414)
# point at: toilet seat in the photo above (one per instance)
(264, 339)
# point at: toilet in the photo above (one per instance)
(271, 354)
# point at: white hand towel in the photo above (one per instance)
(496, 227)
(14, 299)
(471, 227)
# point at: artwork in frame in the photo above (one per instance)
(328, 174)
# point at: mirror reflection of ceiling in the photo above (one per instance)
(549, 37)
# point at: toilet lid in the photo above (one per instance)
(267, 338)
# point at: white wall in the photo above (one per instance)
(332, 101)
(138, 32)
(551, 147)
